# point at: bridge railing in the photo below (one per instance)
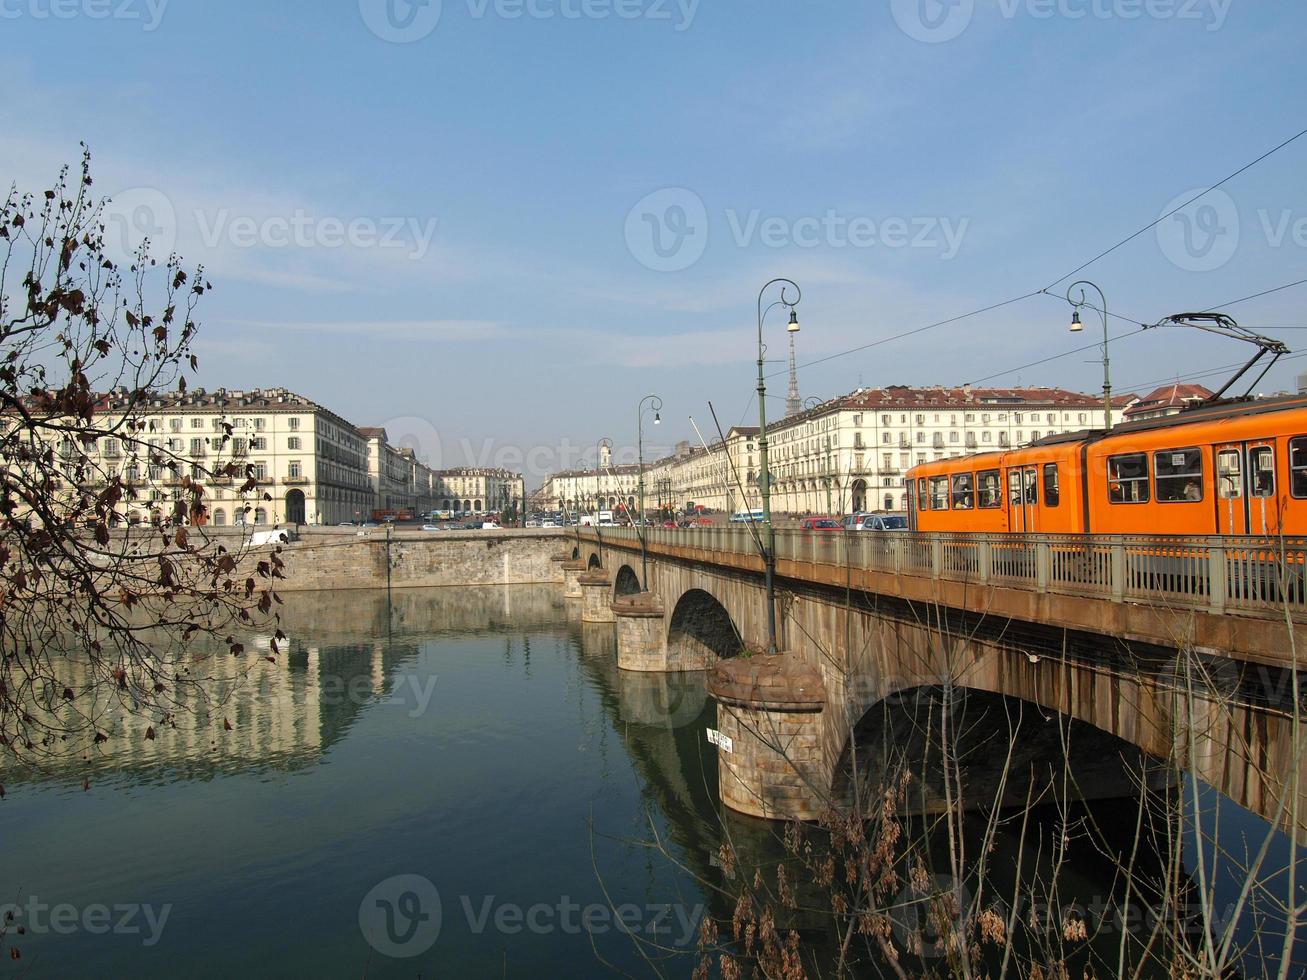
(1214, 574)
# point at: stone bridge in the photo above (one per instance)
(1126, 650)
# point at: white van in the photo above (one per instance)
(747, 517)
(260, 539)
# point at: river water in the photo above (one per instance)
(452, 782)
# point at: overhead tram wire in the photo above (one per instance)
(1153, 224)
(909, 333)
(1016, 299)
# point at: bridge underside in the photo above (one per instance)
(873, 638)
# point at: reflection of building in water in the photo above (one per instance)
(341, 658)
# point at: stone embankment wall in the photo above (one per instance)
(417, 560)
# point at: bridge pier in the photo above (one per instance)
(558, 576)
(596, 591)
(771, 710)
(573, 569)
(641, 638)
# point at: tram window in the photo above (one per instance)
(1014, 487)
(963, 496)
(1052, 490)
(1179, 475)
(1127, 479)
(1229, 475)
(1261, 460)
(988, 490)
(1298, 466)
(1032, 490)
(939, 493)
(923, 495)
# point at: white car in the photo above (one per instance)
(431, 527)
(490, 526)
(548, 524)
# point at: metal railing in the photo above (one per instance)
(1211, 574)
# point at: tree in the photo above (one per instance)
(97, 617)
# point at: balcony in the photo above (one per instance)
(295, 481)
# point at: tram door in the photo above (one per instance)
(1245, 489)
(1023, 499)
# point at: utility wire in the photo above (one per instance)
(1153, 224)
(1016, 299)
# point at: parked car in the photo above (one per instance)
(671, 524)
(876, 522)
(490, 526)
(823, 524)
(548, 524)
(431, 527)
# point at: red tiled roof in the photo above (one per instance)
(1170, 396)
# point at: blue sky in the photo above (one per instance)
(449, 226)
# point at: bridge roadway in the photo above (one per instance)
(1098, 628)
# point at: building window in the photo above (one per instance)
(197, 423)
(197, 446)
(175, 425)
(260, 516)
(294, 470)
(219, 518)
(292, 424)
(293, 443)
(258, 443)
(258, 424)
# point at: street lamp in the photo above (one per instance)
(764, 474)
(1077, 326)
(656, 404)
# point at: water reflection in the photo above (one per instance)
(479, 738)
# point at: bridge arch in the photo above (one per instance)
(1007, 750)
(576, 553)
(626, 582)
(700, 632)
(594, 561)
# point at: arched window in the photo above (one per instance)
(219, 518)
(444, 504)
(478, 508)
(260, 516)
(467, 506)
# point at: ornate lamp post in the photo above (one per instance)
(764, 473)
(1077, 326)
(656, 404)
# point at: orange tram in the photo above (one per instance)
(1232, 468)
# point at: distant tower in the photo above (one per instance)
(793, 403)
